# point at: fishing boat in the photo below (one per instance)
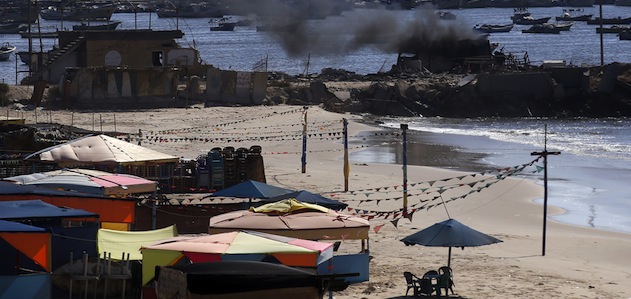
(520, 13)
(193, 10)
(489, 28)
(38, 34)
(108, 26)
(11, 28)
(222, 24)
(564, 26)
(446, 15)
(531, 21)
(79, 13)
(625, 35)
(610, 21)
(574, 15)
(613, 29)
(543, 28)
(5, 51)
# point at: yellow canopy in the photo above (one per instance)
(119, 242)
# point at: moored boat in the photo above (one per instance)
(5, 51)
(574, 15)
(610, 21)
(79, 13)
(531, 21)
(489, 28)
(613, 29)
(38, 34)
(564, 26)
(520, 13)
(446, 15)
(11, 28)
(543, 28)
(194, 10)
(625, 35)
(108, 26)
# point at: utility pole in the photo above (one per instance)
(545, 154)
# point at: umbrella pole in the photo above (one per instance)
(449, 259)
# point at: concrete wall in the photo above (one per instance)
(104, 86)
(231, 87)
(537, 85)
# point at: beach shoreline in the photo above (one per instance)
(579, 262)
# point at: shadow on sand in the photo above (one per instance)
(432, 297)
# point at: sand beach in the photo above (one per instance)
(579, 262)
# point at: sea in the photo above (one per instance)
(589, 179)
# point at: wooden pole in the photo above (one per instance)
(545, 154)
(304, 141)
(602, 49)
(346, 164)
(404, 128)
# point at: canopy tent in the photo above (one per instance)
(79, 236)
(88, 181)
(308, 197)
(118, 243)
(293, 218)
(110, 210)
(22, 209)
(25, 277)
(33, 242)
(236, 245)
(10, 188)
(99, 149)
(251, 189)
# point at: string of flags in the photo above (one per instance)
(426, 185)
(232, 122)
(284, 137)
(429, 203)
(224, 129)
(314, 151)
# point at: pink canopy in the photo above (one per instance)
(88, 181)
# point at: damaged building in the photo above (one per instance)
(137, 68)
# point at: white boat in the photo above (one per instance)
(5, 51)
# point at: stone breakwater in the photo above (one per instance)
(538, 92)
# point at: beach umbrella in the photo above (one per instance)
(88, 181)
(100, 150)
(308, 197)
(251, 189)
(449, 233)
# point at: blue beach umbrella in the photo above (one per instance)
(250, 189)
(449, 233)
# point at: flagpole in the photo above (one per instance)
(545, 154)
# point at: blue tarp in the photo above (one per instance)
(251, 189)
(13, 188)
(308, 197)
(21, 209)
(8, 226)
(29, 286)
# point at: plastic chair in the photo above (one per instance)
(413, 282)
(445, 280)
